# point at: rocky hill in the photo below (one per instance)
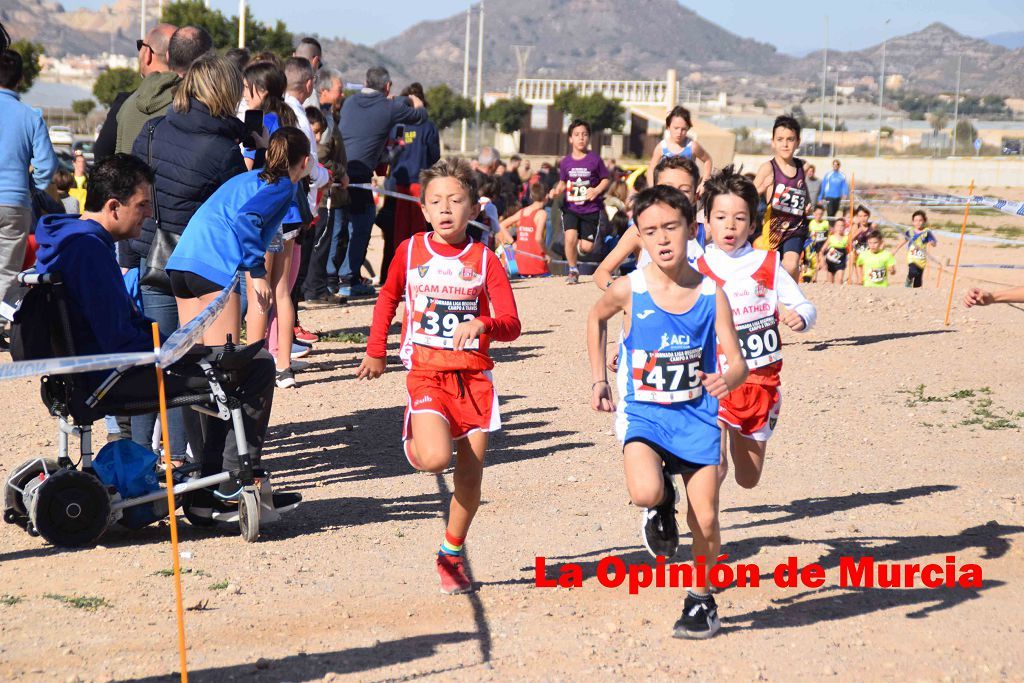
(82, 32)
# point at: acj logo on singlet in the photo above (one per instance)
(675, 340)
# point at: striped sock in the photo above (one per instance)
(451, 545)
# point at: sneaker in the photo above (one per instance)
(299, 342)
(658, 527)
(573, 278)
(300, 351)
(285, 379)
(363, 290)
(698, 620)
(453, 574)
(302, 334)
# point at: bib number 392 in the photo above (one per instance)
(666, 377)
(759, 342)
(436, 319)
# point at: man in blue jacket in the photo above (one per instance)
(103, 319)
(833, 189)
(24, 142)
(366, 119)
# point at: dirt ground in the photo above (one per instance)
(900, 438)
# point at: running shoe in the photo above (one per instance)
(699, 618)
(451, 570)
(658, 527)
(285, 379)
(302, 334)
(300, 351)
(573, 278)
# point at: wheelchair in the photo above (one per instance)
(64, 501)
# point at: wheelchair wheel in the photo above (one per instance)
(70, 508)
(249, 516)
(15, 509)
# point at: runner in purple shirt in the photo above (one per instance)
(584, 178)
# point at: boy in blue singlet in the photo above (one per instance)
(669, 388)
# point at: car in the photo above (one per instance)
(85, 147)
(61, 135)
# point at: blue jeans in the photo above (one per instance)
(160, 307)
(338, 220)
(359, 224)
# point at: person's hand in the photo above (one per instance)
(613, 364)
(601, 397)
(260, 140)
(371, 368)
(977, 297)
(343, 181)
(467, 332)
(714, 383)
(264, 295)
(417, 103)
(591, 194)
(553, 193)
(792, 320)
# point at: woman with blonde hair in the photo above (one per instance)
(193, 150)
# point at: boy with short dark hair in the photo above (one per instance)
(917, 241)
(782, 183)
(876, 262)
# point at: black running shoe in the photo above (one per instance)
(699, 618)
(658, 526)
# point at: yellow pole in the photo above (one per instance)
(169, 481)
(959, 247)
(850, 262)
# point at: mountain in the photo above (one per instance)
(580, 39)
(927, 61)
(1008, 39)
(353, 59)
(80, 32)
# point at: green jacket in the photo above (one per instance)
(151, 100)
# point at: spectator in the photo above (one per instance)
(63, 181)
(310, 50)
(263, 87)
(25, 143)
(80, 178)
(366, 120)
(833, 189)
(511, 185)
(154, 95)
(104, 320)
(323, 261)
(420, 149)
(239, 56)
(813, 184)
(152, 59)
(193, 151)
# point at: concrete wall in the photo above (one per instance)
(986, 172)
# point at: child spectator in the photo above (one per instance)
(65, 182)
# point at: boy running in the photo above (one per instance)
(756, 285)
(876, 263)
(583, 177)
(781, 182)
(917, 241)
(677, 125)
(859, 240)
(530, 224)
(835, 251)
(673, 171)
(448, 284)
(818, 227)
(669, 388)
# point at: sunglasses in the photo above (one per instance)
(140, 43)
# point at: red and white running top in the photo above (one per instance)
(755, 283)
(442, 287)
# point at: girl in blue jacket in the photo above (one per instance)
(231, 231)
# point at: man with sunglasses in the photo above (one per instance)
(152, 59)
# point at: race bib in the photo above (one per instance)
(918, 255)
(436, 319)
(833, 255)
(666, 377)
(759, 342)
(789, 199)
(576, 192)
(877, 275)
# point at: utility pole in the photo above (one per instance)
(835, 117)
(522, 59)
(241, 23)
(142, 20)
(881, 96)
(824, 72)
(956, 102)
(479, 76)
(465, 75)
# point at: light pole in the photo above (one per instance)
(835, 116)
(241, 23)
(479, 76)
(824, 77)
(465, 76)
(956, 102)
(881, 95)
(142, 20)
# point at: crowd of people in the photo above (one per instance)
(251, 164)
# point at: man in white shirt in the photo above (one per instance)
(299, 73)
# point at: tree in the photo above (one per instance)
(30, 54)
(965, 134)
(938, 121)
(224, 30)
(113, 81)
(759, 102)
(83, 107)
(447, 106)
(507, 115)
(596, 109)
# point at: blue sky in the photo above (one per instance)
(797, 28)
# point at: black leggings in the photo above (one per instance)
(915, 274)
